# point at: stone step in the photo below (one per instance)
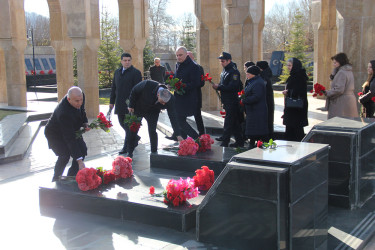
(10, 127)
(21, 143)
(124, 199)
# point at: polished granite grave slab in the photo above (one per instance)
(125, 199)
(269, 199)
(351, 161)
(215, 159)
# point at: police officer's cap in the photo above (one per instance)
(225, 56)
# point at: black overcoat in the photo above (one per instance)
(157, 73)
(266, 74)
(122, 85)
(256, 107)
(61, 128)
(188, 72)
(297, 88)
(143, 99)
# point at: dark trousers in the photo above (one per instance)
(186, 129)
(60, 165)
(294, 133)
(199, 121)
(232, 123)
(152, 120)
(125, 126)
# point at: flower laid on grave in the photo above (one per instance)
(100, 122)
(223, 113)
(50, 72)
(188, 147)
(204, 142)
(360, 93)
(107, 176)
(152, 190)
(27, 73)
(178, 191)
(264, 145)
(87, 179)
(122, 167)
(318, 89)
(133, 121)
(204, 178)
(241, 96)
(41, 72)
(175, 85)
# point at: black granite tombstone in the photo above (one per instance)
(269, 199)
(124, 199)
(215, 159)
(351, 160)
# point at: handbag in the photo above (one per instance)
(293, 103)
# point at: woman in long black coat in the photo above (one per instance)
(296, 87)
(368, 92)
(255, 106)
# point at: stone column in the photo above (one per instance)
(133, 28)
(209, 47)
(3, 79)
(243, 25)
(325, 39)
(357, 27)
(63, 46)
(13, 44)
(84, 29)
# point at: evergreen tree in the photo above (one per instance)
(109, 50)
(188, 34)
(296, 46)
(148, 56)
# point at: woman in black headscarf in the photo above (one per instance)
(368, 92)
(296, 87)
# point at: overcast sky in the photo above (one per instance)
(41, 6)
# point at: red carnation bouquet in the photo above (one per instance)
(204, 178)
(318, 90)
(188, 147)
(122, 167)
(176, 85)
(107, 176)
(204, 142)
(133, 121)
(206, 77)
(100, 122)
(87, 179)
(241, 96)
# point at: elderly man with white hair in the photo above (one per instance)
(68, 117)
(146, 100)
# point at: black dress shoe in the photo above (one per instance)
(223, 144)
(219, 138)
(123, 151)
(136, 141)
(236, 145)
(173, 138)
(130, 155)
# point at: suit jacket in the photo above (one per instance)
(61, 128)
(143, 99)
(122, 85)
(157, 73)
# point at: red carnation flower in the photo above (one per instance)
(360, 93)
(259, 144)
(152, 190)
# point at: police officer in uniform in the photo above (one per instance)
(229, 87)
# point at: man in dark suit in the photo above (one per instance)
(187, 104)
(60, 131)
(146, 100)
(124, 79)
(157, 72)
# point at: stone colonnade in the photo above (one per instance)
(73, 24)
(234, 26)
(343, 26)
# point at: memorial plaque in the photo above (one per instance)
(351, 165)
(215, 159)
(269, 199)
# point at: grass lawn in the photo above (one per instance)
(4, 113)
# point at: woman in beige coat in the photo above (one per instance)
(341, 100)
